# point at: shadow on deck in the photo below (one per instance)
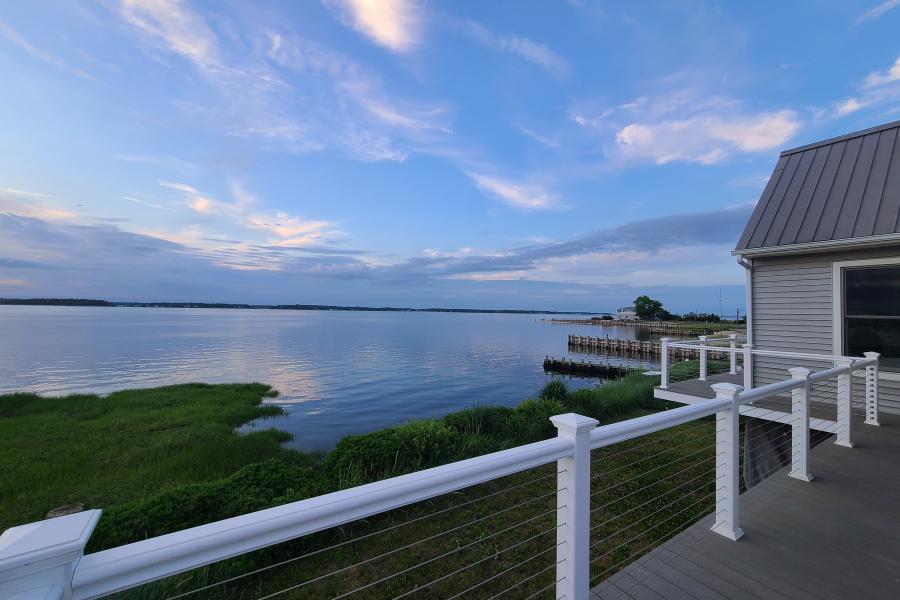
(822, 416)
(835, 538)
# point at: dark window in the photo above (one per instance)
(872, 313)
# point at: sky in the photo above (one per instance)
(510, 154)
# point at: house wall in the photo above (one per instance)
(792, 311)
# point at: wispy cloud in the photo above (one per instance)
(282, 228)
(877, 11)
(652, 250)
(686, 127)
(172, 265)
(147, 203)
(25, 193)
(43, 55)
(518, 195)
(10, 282)
(34, 204)
(358, 114)
(877, 89)
(394, 24)
(168, 162)
(880, 78)
(534, 52)
(172, 25)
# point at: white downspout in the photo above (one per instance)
(747, 263)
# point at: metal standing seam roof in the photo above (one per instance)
(838, 189)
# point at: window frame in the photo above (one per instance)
(837, 305)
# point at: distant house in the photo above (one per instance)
(822, 255)
(626, 314)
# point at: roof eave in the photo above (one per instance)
(888, 239)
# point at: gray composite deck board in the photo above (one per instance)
(835, 538)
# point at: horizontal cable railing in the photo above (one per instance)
(539, 520)
(134, 564)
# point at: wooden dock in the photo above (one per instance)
(638, 347)
(657, 327)
(582, 367)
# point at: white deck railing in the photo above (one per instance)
(45, 560)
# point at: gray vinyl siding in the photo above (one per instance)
(792, 311)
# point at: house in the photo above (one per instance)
(626, 313)
(822, 256)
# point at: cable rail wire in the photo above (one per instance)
(702, 499)
(686, 428)
(654, 498)
(657, 482)
(644, 518)
(480, 519)
(505, 571)
(529, 578)
(788, 439)
(537, 593)
(646, 458)
(640, 552)
(645, 473)
(815, 397)
(388, 529)
(428, 561)
(490, 556)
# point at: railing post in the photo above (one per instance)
(727, 463)
(748, 366)
(844, 404)
(872, 390)
(800, 426)
(733, 342)
(37, 561)
(702, 358)
(573, 514)
(664, 363)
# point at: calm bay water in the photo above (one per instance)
(338, 372)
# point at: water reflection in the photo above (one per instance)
(337, 372)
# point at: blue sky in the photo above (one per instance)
(560, 155)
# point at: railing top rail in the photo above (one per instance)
(765, 391)
(696, 342)
(141, 562)
(762, 352)
(607, 435)
(779, 387)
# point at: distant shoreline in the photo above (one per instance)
(109, 304)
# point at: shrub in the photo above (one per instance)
(491, 421)
(555, 389)
(402, 449)
(254, 487)
(531, 419)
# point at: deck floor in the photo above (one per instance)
(835, 538)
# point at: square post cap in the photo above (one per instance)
(799, 372)
(38, 556)
(727, 390)
(871, 354)
(573, 424)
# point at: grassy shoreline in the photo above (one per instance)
(168, 458)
